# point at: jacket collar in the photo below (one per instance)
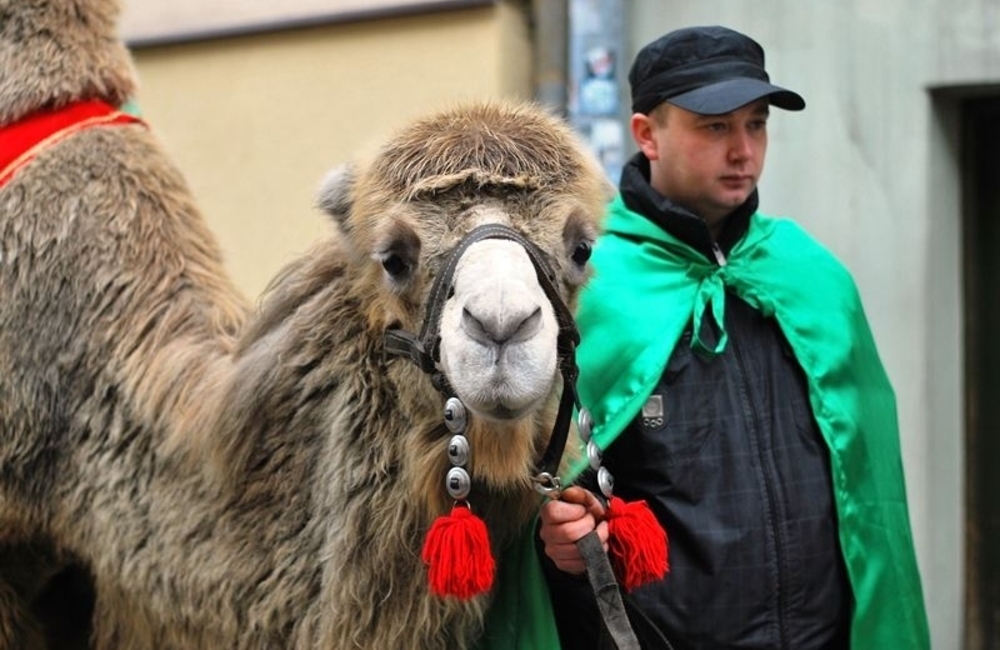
(640, 197)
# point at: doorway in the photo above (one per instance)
(980, 142)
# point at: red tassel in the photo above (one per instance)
(637, 543)
(457, 552)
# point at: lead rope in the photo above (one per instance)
(600, 573)
(602, 581)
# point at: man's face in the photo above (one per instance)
(709, 164)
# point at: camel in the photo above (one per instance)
(228, 476)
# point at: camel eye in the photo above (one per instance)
(581, 254)
(398, 253)
(395, 265)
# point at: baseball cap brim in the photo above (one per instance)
(726, 96)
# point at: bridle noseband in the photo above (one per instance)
(425, 349)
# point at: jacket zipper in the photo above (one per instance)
(769, 490)
(720, 257)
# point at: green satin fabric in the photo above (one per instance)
(520, 617)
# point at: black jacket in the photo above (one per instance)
(730, 459)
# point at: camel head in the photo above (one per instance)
(476, 226)
(54, 52)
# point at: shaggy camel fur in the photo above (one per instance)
(231, 479)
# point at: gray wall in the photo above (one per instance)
(870, 169)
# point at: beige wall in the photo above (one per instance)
(255, 122)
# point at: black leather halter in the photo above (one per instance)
(425, 350)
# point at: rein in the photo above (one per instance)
(424, 349)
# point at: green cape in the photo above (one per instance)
(648, 285)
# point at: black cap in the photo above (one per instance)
(706, 70)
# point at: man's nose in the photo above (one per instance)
(740, 144)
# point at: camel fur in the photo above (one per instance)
(238, 478)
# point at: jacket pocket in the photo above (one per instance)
(679, 417)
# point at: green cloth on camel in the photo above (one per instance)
(520, 617)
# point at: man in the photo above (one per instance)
(735, 387)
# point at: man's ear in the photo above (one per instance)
(644, 133)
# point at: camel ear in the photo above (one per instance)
(336, 194)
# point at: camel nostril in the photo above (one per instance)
(500, 331)
(528, 327)
(474, 327)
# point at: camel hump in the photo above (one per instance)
(58, 52)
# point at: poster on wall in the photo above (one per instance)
(596, 79)
(159, 21)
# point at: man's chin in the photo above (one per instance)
(735, 198)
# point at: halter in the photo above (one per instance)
(425, 350)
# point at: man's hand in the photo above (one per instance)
(567, 520)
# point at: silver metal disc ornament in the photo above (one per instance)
(455, 417)
(458, 450)
(606, 482)
(458, 483)
(585, 424)
(594, 455)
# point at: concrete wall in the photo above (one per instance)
(870, 168)
(256, 121)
